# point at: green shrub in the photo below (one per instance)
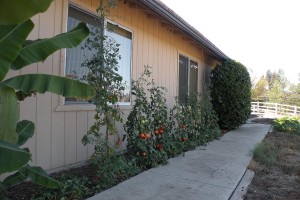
(287, 124)
(231, 94)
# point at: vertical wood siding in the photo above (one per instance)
(57, 139)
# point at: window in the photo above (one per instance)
(188, 77)
(76, 56)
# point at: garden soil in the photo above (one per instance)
(282, 181)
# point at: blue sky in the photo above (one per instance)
(261, 34)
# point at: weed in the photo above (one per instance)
(265, 153)
(71, 187)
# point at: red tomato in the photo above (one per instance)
(156, 132)
(142, 136)
(147, 136)
(183, 126)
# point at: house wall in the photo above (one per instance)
(58, 127)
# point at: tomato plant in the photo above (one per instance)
(145, 124)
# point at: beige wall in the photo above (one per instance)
(59, 128)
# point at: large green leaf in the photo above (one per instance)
(9, 115)
(42, 83)
(18, 11)
(39, 50)
(39, 176)
(12, 38)
(25, 130)
(12, 157)
(13, 180)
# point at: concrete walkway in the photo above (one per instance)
(211, 172)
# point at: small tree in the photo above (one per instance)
(231, 93)
(104, 77)
(260, 88)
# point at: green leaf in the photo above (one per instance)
(42, 83)
(22, 95)
(39, 50)
(18, 11)
(13, 157)
(25, 130)
(9, 115)
(13, 180)
(12, 38)
(39, 176)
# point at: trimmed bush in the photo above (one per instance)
(231, 94)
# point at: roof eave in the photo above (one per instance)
(184, 26)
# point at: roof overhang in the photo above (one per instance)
(169, 15)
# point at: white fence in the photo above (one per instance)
(274, 109)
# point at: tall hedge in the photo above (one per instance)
(231, 94)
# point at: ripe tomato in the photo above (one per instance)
(184, 139)
(156, 132)
(147, 136)
(142, 136)
(161, 131)
(183, 126)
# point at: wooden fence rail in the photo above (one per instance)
(274, 108)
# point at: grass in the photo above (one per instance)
(279, 149)
(266, 153)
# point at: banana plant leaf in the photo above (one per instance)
(9, 115)
(12, 157)
(39, 176)
(25, 130)
(18, 11)
(42, 83)
(39, 50)
(12, 38)
(13, 180)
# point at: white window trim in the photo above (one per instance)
(62, 107)
(190, 58)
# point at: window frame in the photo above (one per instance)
(62, 106)
(190, 58)
(131, 59)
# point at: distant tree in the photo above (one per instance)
(276, 93)
(259, 89)
(292, 96)
(252, 76)
(276, 76)
(275, 87)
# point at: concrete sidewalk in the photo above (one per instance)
(211, 172)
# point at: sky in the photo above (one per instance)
(261, 34)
